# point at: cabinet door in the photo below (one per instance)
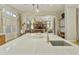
(2, 39)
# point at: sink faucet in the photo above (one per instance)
(47, 36)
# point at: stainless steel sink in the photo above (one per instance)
(59, 43)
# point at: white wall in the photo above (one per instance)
(78, 23)
(0, 23)
(1, 30)
(70, 23)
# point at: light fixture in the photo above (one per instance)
(37, 10)
(36, 7)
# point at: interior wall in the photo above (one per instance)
(1, 28)
(78, 24)
(0, 23)
(70, 23)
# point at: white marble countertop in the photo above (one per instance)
(2, 33)
(37, 44)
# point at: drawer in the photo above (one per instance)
(2, 39)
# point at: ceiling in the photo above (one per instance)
(42, 7)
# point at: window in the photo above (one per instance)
(8, 13)
(3, 9)
(14, 15)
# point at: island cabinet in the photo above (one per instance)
(2, 39)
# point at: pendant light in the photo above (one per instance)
(37, 8)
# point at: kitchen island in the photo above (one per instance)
(36, 44)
